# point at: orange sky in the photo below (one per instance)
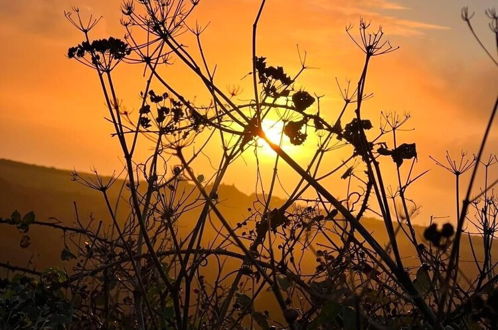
(51, 108)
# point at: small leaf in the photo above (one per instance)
(283, 282)
(244, 301)
(28, 218)
(67, 255)
(347, 174)
(16, 217)
(422, 281)
(200, 178)
(404, 151)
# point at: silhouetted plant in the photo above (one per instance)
(311, 259)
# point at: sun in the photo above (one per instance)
(273, 130)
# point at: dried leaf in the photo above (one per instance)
(25, 241)
(302, 100)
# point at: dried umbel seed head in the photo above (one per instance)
(432, 234)
(128, 8)
(177, 170)
(302, 100)
(293, 130)
(447, 230)
(113, 47)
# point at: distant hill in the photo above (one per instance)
(51, 193)
(54, 196)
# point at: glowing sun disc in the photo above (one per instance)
(273, 130)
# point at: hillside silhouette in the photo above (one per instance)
(53, 195)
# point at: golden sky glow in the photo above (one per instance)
(51, 109)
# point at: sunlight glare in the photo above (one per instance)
(273, 130)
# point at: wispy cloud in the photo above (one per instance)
(382, 12)
(385, 4)
(46, 19)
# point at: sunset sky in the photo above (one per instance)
(52, 110)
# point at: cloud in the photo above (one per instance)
(382, 12)
(372, 4)
(46, 19)
(34, 17)
(383, 4)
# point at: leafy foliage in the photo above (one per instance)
(29, 304)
